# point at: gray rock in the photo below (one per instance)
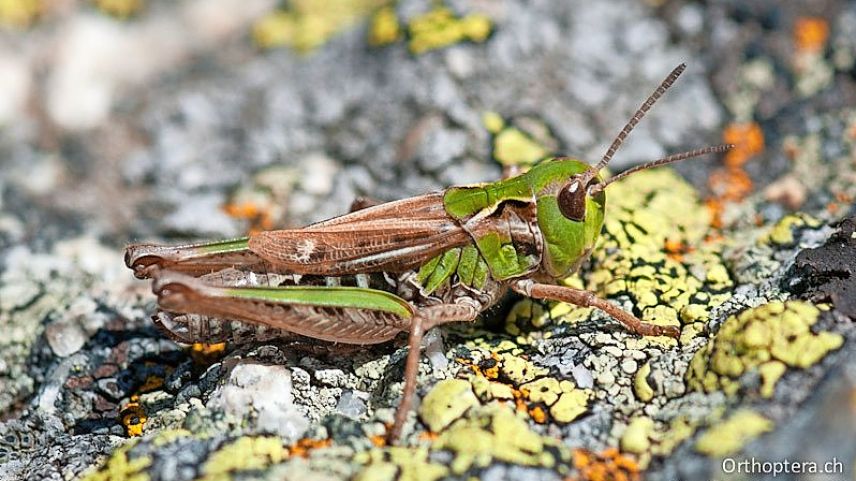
(265, 392)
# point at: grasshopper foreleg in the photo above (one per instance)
(584, 298)
(425, 319)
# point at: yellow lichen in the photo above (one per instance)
(519, 370)
(770, 374)
(306, 24)
(731, 435)
(401, 464)
(440, 28)
(20, 13)
(646, 438)
(493, 122)
(119, 8)
(530, 314)
(493, 432)
(768, 338)
(165, 437)
(243, 454)
(566, 402)
(782, 233)
(487, 390)
(384, 28)
(636, 437)
(120, 468)
(544, 390)
(644, 391)
(513, 147)
(520, 142)
(571, 405)
(448, 400)
(377, 472)
(485, 435)
(506, 376)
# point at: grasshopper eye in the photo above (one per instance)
(572, 200)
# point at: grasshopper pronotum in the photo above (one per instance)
(402, 266)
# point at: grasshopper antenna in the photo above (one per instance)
(619, 139)
(714, 149)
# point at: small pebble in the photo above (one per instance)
(629, 366)
(612, 351)
(351, 404)
(606, 379)
(582, 376)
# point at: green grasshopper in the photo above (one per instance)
(402, 266)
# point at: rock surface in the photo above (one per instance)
(130, 120)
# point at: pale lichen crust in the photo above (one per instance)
(769, 339)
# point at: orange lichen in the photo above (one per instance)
(304, 446)
(133, 417)
(538, 414)
(853, 400)
(521, 399)
(748, 140)
(716, 207)
(152, 383)
(488, 367)
(609, 465)
(202, 353)
(843, 197)
(810, 34)
(731, 183)
(851, 131)
(260, 219)
(833, 207)
(379, 440)
(676, 249)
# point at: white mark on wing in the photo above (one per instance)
(380, 257)
(305, 249)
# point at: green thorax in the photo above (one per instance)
(565, 242)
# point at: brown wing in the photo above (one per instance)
(392, 237)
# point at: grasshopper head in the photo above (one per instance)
(571, 220)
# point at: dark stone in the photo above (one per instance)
(828, 273)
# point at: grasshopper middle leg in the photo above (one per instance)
(584, 298)
(425, 319)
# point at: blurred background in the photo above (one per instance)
(164, 120)
(134, 119)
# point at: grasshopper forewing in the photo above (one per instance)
(403, 266)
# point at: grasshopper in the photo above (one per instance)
(402, 266)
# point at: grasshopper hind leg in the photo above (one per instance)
(425, 319)
(584, 298)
